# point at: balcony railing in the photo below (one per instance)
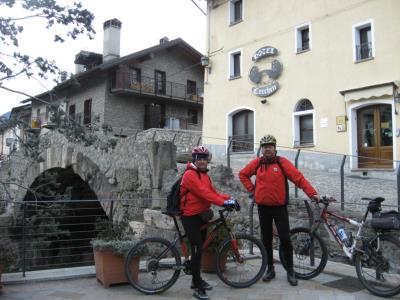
(44, 120)
(126, 81)
(364, 51)
(242, 143)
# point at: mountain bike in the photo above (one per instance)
(241, 259)
(376, 258)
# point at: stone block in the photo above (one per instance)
(154, 218)
(127, 178)
(139, 228)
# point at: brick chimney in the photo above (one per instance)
(111, 40)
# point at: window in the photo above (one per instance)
(71, 112)
(235, 61)
(136, 75)
(87, 112)
(303, 38)
(38, 116)
(160, 83)
(192, 116)
(363, 40)
(235, 11)
(303, 123)
(191, 87)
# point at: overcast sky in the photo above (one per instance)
(144, 22)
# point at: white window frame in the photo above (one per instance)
(229, 125)
(356, 38)
(297, 37)
(296, 126)
(353, 131)
(231, 12)
(231, 63)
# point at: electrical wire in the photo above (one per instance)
(204, 13)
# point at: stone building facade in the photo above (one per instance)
(158, 87)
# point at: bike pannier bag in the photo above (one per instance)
(386, 220)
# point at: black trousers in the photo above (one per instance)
(280, 216)
(196, 239)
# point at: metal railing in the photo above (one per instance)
(239, 144)
(364, 51)
(151, 86)
(55, 234)
(342, 182)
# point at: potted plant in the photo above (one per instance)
(209, 257)
(110, 246)
(8, 256)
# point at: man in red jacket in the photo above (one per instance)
(197, 194)
(271, 193)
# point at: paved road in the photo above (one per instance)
(330, 285)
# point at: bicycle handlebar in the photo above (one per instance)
(326, 200)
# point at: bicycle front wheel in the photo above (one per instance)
(378, 266)
(241, 266)
(150, 265)
(310, 254)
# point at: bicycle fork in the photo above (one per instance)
(235, 248)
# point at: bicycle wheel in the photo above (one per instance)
(379, 269)
(309, 253)
(158, 259)
(246, 269)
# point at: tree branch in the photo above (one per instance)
(24, 70)
(26, 17)
(22, 93)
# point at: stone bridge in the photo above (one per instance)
(132, 170)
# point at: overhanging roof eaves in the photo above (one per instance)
(393, 83)
(118, 61)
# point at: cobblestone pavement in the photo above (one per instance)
(326, 286)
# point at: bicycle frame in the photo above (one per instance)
(216, 224)
(327, 215)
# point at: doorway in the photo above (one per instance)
(243, 131)
(375, 137)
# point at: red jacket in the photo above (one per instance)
(271, 186)
(197, 192)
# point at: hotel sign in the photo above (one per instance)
(267, 90)
(264, 52)
(265, 79)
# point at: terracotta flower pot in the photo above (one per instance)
(110, 268)
(209, 261)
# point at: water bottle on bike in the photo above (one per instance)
(344, 237)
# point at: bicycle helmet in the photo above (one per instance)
(268, 139)
(200, 152)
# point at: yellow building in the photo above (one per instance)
(318, 74)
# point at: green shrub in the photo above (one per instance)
(116, 246)
(8, 253)
(116, 236)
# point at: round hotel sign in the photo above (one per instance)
(265, 79)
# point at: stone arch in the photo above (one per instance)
(68, 157)
(60, 219)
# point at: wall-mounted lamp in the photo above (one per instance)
(205, 62)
